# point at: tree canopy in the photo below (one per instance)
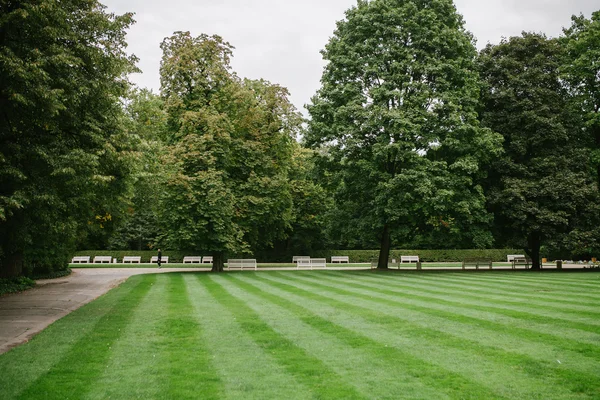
(540, 185)
(227, 189)
(63, 69)
(396, 118)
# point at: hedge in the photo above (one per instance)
(356, 256)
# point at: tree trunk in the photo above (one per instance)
(218, 262)
(11, 266)
(534, 242)
(384, 249)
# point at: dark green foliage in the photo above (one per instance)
(541, 185)
(396, 125)
(52, 275)
(14, 285)
(62, 71)
(226, 187)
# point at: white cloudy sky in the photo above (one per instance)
(280, 40)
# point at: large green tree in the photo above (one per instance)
(581, 69)
(395, 119)
(63, 69)
(541, 184)
(227, 188)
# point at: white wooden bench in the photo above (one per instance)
(296, 258)
(192, 260)
(132, 259)
(163, 259)
(102, 259)
(409, 259)
(207, 260)
(511, 257)
(303, 263)
(340, 259)
(241, 263)
(80, 260)
(517, 260)
(311, 263)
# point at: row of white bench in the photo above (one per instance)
(138, 260)
(334, 259)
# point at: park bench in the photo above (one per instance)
(192, 260)
(511, 257)
(241, 263)
(311, 263)
(518, 260)
(132, 259)
(340, 259)
(102, 259)
(477, 262)
(163, 259)
(296, 258)
(80, 260)
(409, 259)
(207, 260)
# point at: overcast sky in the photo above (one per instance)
(280, 40)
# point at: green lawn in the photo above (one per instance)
(322, 335)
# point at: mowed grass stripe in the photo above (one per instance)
(584, 285)
(513, 292)
(83, 364)
(578, 340)
(186, 359)
(470, 289)
(356, 355)
(323, 382)
(23, 365)
(134, 368)
(456, 298)
(245, 369)
(492, 366)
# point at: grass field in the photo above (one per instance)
(322, 335)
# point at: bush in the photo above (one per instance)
(52, 275)
(15, 285)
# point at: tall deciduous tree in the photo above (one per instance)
(396, 117)
(581, 68)
(541, 184)
(63, 69)
(227, 189)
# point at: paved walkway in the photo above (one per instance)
(22, 315)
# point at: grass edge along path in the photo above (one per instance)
(71, 378)
(439, 343)
(59, 337)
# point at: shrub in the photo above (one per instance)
(15, 285)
